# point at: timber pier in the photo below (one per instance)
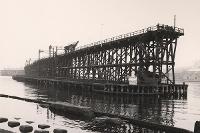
(140, 62)
(164, 89)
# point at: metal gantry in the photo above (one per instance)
(148, 54)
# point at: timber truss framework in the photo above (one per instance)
(149, 54)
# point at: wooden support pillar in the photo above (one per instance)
(197, 127)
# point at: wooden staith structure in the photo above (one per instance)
(148, 54)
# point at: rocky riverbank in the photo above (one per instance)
(26, 128)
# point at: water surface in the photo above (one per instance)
(179, 112)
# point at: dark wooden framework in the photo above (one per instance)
(148, 53)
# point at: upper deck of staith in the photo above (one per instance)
(148, 54)
(148, 34)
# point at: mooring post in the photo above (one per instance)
(197, 127)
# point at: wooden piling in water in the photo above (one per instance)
(162, 89)
(197, 127)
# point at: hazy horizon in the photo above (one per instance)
(29, 25)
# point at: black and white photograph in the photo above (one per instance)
(99, 66)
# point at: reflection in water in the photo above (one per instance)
(169, 110)
(125, 128)
(148, 108)
(26, 111)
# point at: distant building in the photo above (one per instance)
(191, 75)
(11, 72)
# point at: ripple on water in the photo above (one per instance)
(175, 112)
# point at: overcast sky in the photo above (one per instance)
(29, 25)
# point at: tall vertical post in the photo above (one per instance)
(56, 61)
(53, 62)
(174, 21)
(39, 54)
(50, 47)
(39, 63)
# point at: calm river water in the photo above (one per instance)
(179, 112)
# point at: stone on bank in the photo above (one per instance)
(2, 119)
(57, 130)
(13, 123)
(26, 128)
